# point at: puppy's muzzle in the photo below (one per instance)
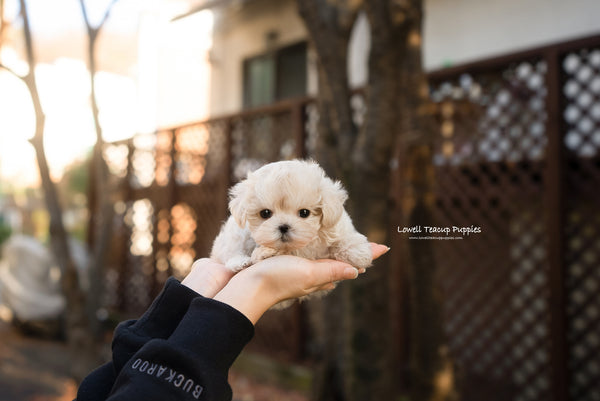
(284, 230)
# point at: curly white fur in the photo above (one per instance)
(289, 207)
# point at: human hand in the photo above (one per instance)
(207, 277)
(257, 288)
(292, 277)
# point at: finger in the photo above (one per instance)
(324, 287)
(378, 249)
(327, 287)
(329, 270)
(339, 271)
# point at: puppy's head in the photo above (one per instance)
(286, 204)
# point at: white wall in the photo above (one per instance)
(455, 32)
(241, 33)
(174, 57)
(459, 31)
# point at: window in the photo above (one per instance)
(275, 76)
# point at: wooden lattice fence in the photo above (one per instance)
(516, 153)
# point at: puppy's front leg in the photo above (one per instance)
(261, 253)
(351, 246)
(238, 263)
(233, 246)
(354, 250)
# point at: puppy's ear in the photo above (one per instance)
(333, 197)
(238, 198)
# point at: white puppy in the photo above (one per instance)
(292, 208)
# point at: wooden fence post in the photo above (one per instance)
(555, 219)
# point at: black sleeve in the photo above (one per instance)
(193, 363)
(158, 323)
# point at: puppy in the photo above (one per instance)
(292, 208)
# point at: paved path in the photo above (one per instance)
(33, 369)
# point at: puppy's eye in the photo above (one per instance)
(265, 213)
(304, 213)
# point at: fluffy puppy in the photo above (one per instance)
(293, 208)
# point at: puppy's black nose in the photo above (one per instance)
(283, 228)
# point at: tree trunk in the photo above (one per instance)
(2, 22)
(102, 207)
(397, 29)
(357, 347)
(372, 359)
(353, 322)
(77, 325)
(329, 28)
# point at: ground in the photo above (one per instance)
(34, 369)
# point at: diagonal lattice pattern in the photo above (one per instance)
(581, 122)
(170, 209)
(490, 158)
(489, 174)
(176, 200)
(259, 139)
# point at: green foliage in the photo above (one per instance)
(5, 231)
(73, 191)
(76, 178)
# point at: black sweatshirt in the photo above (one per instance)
(180, 349)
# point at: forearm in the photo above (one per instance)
(159, 321)
(192, 364)
(247, 294)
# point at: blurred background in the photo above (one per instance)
(123, 123)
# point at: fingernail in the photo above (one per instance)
(350, 272)
(361, 270)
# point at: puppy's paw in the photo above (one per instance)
(359, 256)
(283, 304)
(238, 263)
(261, 253)
(289, 302)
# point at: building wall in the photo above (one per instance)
(242, 32)
(455, 32)
(459, 31)
(174, 70)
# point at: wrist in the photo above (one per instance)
(207, 277)
(247, 293)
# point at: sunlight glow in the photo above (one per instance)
(16, 127)
(167, 82)
(69, 132)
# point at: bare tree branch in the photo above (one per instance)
(101, 209)
(29, 80)
(94, 31)
(106, 14)
(92, 36)
(13, 72)
(86, 19)
(27, 32)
